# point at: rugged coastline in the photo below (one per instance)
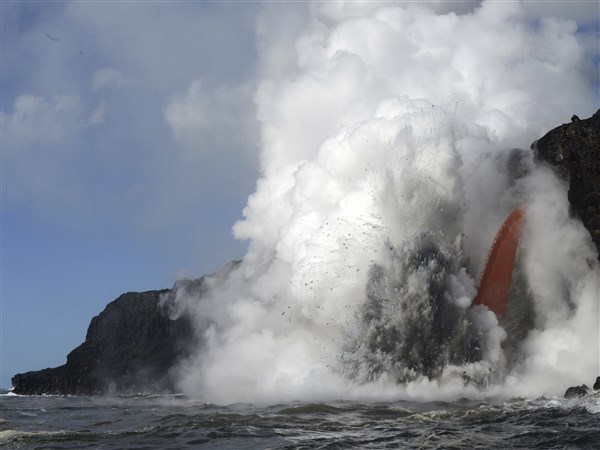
(573, 150)
(134, 345)
(130, 347)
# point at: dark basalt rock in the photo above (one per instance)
(573, 149)
(134, 346)
(130, 347)
(577, 391)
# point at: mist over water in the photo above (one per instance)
(388, 162)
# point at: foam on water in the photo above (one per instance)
(169, 421)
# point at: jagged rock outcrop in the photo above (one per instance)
(574, 150)
(132, 346)
(583, 390)
(577, 391)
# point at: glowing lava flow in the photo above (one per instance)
(494, 282)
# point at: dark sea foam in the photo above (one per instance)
(178, 422)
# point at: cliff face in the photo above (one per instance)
(574, 150)
(132, 346)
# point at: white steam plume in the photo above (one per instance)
(387, 135)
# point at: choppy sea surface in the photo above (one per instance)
(177, 422)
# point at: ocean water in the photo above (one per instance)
(179, 422)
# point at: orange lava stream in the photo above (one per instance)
(494, 282)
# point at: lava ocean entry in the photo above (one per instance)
(494, 283)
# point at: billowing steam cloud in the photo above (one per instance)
(388, 163)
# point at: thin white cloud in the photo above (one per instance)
(37, 120)
(189, 113)
(108, 78)
(97, 115)
(207, 120)
(124, 66)
(585, 12)
(164, 47)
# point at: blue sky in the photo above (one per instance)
(121, 171)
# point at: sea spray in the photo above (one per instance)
(386, 135)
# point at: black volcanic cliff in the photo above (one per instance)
(133, 345)
(574, 150)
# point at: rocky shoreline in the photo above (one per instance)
(134, 346)
(583, 390)
(130, 347)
